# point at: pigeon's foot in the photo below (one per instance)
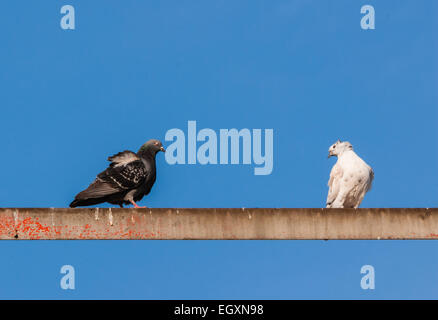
(135, 205)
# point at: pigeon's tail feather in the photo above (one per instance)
(371, 180)
(85, 202)
(97, 189)
(75, 203)
(96, 193)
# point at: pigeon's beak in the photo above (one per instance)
(329, 155)
(162, 149)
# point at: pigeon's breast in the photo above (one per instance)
(151, 174)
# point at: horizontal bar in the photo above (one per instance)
(221, 223)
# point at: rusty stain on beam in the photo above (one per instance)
(221, 223)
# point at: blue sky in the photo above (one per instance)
(130, 72)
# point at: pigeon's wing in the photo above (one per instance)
(125, 176)
(126, 172)
(123, 158)
(334, 184)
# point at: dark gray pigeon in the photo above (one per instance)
(129, 177)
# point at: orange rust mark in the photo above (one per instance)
(7, 225)
(32, 228)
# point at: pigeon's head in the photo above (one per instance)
(153, 146)
(339, 147)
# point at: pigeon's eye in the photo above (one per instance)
(334, 147)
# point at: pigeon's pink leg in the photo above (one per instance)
(135, 205)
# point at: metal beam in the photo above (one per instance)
(286, 223)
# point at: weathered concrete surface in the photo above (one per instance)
(99, 223)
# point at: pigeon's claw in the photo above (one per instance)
(136, 205)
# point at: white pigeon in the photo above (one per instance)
(350, 177)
